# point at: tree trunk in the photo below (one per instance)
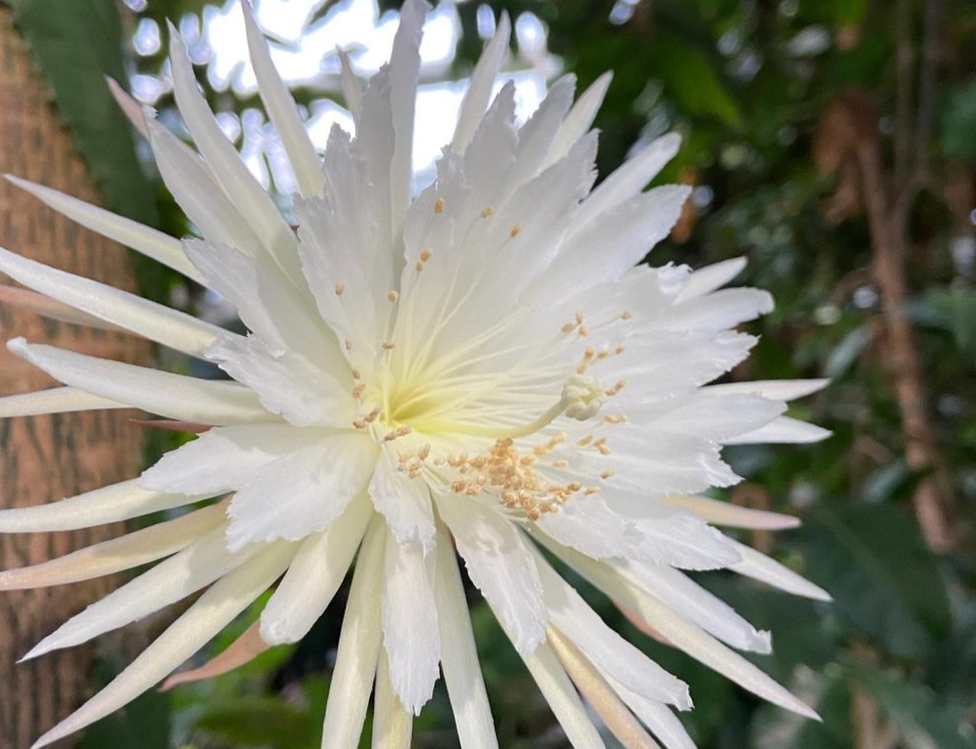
(43, 459)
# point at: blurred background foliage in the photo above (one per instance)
(833, 143)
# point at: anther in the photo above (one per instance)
(392, 296)
(626, 315)
(487, 211)
(426, 255)
(340, 289)
(439, 205)
(514, 232)
(388, 345)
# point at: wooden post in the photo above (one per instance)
(43, 459)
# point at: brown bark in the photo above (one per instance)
(47, 458)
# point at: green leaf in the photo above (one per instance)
(884, 580)
(692, 80)
(923, 721)
(959, 122)
(956, 310)
(253, 721)
(76, 45)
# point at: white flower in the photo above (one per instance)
(479, 366)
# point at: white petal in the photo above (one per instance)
(108, 504)
(359, 646)
(123, 553)
(722, 309)
(224, 459)
(711, 277)
(352, 90)
(53, 401)
(501, 564)
(129, 106)
(314, 576)
(782, 430)
(154, 321)
(281, 109)
(572, 616)
(630, 178)
(404, 502)
(561, 695)
(263, 298)
(482, 79)
(536, 135)
(683, 635)
(599, 694)
(579, 118)
(459, 657)
(405, 71)
(692, 602)
(52, 309)
(719, 512)
(213, 611)
(288, 384)
(196, 191)
(392, 723)
(625, 233)
(758, 566)
(244, 191)
(301, 493)
(410, 630)
(657, 717)
(781, 390)
(169, 581)
(143, 239)
(170, 395)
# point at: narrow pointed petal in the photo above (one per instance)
(459, 656)
(783, 430)
(719, 512)
(108, 504)
(141, 238)
(52, 309)
(411, 638)
(692, 602)
(599, 694)
(631, 178)
(214, 610)
(197, 192)
(782, 390)
(282, 110)
(319, 567)
(53, 401)
(663, 723)
(574, 618)
(169, 581)
(352, 89)
(479, 89)
(760, 567)
(711, 277)
(129, 106)
(158, 323)
(244, 191)
(162, 393)
(563, 700)
(680, 633)
(118, 554)
(392, 723)
(359, 646)
(579, 119)
(243, 650)
(405, 72)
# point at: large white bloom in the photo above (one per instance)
(480, 367)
